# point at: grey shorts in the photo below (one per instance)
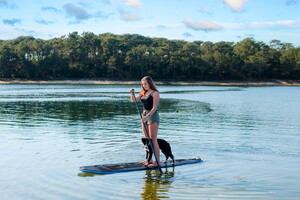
(154, 118)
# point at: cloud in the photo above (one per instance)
(42, 21)
(202, 25)
(287, 24)
(83, 3)
(107, 1)
(161, 27)
(133, 3)
(186, 34)
(26, 32)
(235, 5)
(290, 2)
(102, 15)
(215, 26)
(79, 13)
(50, 8)
(206, 11)
(246, 36)
(4, 3)
(126, 16)
(11, 22)
(276, 25)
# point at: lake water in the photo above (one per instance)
(248, 137)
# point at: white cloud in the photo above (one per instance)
(133, 3)
(287, 24)
(10, 32)
(129, 16)
(202, 25)
(235, 5)
(215, 26)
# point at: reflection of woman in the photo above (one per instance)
(149, 96)
(157, 186)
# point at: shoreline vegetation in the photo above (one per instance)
(131, 56)
(129, 82)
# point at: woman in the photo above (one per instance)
(149, 96)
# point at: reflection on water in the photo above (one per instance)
(156, 185)
(29, 113)
(61, 110)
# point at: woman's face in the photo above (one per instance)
(145, 85)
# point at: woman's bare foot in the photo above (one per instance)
(153, 164)
(144, 162)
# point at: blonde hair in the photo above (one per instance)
(151, 84)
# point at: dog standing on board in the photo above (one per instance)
(164, 147)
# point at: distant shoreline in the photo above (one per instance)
(126, 82)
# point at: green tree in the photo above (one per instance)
(132, 56)
(8, 62)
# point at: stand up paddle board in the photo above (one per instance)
(133, 166)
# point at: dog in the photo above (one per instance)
(164, 147)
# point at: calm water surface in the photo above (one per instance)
(248, 138)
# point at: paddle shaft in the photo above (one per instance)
(147, 134)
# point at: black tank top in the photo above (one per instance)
(148, 101)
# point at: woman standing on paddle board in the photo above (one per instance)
(149, 96)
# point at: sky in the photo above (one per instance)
(189, 20)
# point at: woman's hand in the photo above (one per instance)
(144, 119)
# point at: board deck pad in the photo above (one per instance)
(133, 166)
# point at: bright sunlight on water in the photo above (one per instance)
(248, 138)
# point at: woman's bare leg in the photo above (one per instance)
(144, 131)
(153, 131)
(145, 162)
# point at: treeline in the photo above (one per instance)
(131, 56)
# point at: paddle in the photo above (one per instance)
(146, 130)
